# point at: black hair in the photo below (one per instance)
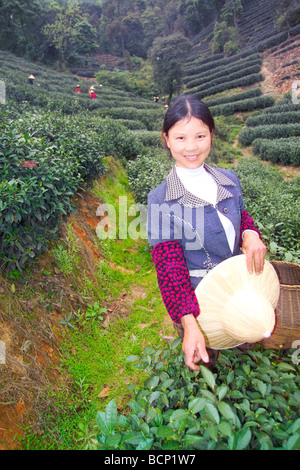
(187, 106)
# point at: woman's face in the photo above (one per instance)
(189, 142)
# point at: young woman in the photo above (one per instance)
(196, 219)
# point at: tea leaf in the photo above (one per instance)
(190, 439)
(285, 366)
(172, 445)
(225, 428)
(145, 444)
(101, 422)
(294, 427)
(226, 410)
(111, 414)
(243, 439)
(164, 431)
(176, 342)
(261, 386)
(280, 434)
(208, 377)
(152, 382)
(113, 440)
(196, 405)
(154, 396)
(293, 443)
(212, 412)
(132, 358)
(178, 415)
(222, 391)
(122, 421)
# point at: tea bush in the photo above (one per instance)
(35, 193)
(250, 401)
(131, 124)
(282, 107)
(215, 61)
(146, 172)
(227, 85)
(151, 118)
(292, 117)
(92, 135)
(277, 38)
(251, 93)
(285, 151)
(149, 138)
(44, 159)
(249, 134)
(115, 138)
(249, 104)
(231, 71)
(274, 205)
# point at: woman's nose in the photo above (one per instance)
(190, 145)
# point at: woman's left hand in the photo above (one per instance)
(255, 251)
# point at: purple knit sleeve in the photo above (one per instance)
(174, 280)
(247, 223)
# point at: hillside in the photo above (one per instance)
(81, 305)
(253, 80)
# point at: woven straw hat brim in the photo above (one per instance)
(237, 307)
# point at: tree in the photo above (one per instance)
(84, 36)
(289, 11)
(134, 35)
(167, 57)
(225, 39)
(198, 14)
(152, 25)
(230, 13)
(63, 32)
(17, 24)
(114, 13)
(116, 30)
(226, 32)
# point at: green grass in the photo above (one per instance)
(119, 246)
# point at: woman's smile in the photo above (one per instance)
(189, 142)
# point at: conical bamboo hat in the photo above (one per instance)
(237, 307)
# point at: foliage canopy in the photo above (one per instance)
(167, 56)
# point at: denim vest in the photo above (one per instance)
(176, 214)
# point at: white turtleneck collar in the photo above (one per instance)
(199, 182)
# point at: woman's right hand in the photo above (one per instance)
(193, 344)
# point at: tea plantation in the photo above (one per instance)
(232, 84)
(52, 143)
(65, 135)
(55, 143)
